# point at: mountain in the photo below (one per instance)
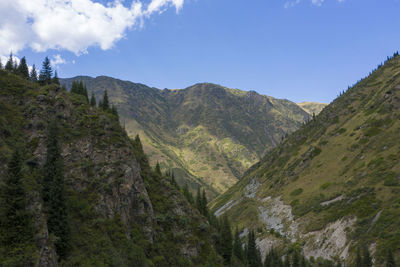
(207, 134)
(332, 186)
(85, 194)
(312, 107)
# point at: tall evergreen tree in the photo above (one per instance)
(158, 168)
(93, 100)
(204, 203)
(114, 111)
(237, 246)
(253, 259)
(10, 63)
(55, 79)
(16, 230)
(105, 102)
(359, 261)
(33, 75)
(295, 259)
(54, 194)
(22, 69)
(226, 240)
(46, 72)
(367, 261)
(188, 194)
(199, 203)
(390, 259)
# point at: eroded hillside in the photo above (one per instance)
(333, 185)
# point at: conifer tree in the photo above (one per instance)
(55, 79)
(33, 75)
(158, 169)
(22, 69)
(1, 65)
(114, 111)
(359, 262)
(16, 229)
(188, 194)
(54, 195)
(204, 202)
(367, 261)
(199, 203)
(10, 63)
(105, 102)
(46, 72)
(390, 259)
(295, 259)
(237, 246)
(93, 100)
(226, 240)
(253, 259)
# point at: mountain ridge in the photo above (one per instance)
(206, 133)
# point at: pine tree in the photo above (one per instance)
(158, 169)
(390, 260)
(114, 111)
(252, 251)
(93, 100)
(367, 261)
(16, 229)
(204, 202)
(54, 195)
(199, 203)
(55, 79)
(105, 102)
(10, 63)
(33, 75)
(46, 72)
(237, 246)
(295, 259)
(188, 194)
(359, 262)
(226, 240)
(22, 69)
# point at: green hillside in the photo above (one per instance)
(207, 134)
(80, 192)
(333, 185)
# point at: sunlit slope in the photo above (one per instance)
(312, 107)
(334, 184)
(208, 134)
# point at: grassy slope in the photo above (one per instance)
(207, 133)
(351, 149)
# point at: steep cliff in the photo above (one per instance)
(120, 212)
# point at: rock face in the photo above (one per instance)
(115, 201)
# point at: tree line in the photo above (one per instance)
(48, 76)
(45, 76)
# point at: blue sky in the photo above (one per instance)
(298, 50)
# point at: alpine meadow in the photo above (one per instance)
(144, 133)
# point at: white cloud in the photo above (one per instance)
(72, 25)
(290, 4)
(57, 60)
(317, 2)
